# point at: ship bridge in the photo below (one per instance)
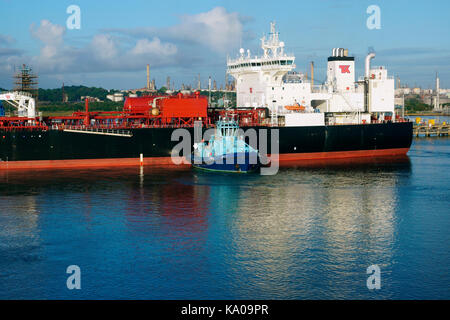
(273, 59)
(255, 74)
(260, 64)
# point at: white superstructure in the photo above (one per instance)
(268, 81)
(23, 101)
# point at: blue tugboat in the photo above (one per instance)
(226, 151)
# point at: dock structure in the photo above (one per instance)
(428, 130)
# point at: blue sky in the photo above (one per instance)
(183, 38)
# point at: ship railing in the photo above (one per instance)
(21, 127)
(384, 121)
(265, 67)
(389, 77)
(99, 130)
(261, 59)
(17, 93)
(84, 128)
(118, 127)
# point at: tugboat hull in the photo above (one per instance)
(235, 162)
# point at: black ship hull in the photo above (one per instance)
(58, 148)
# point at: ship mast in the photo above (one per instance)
(273, 44)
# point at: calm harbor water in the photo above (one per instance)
(305, 233)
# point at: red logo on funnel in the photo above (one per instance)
(345, 69)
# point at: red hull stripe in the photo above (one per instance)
(167, 161)
(89, 163)
(342, 154)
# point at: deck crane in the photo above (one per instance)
(23, 101)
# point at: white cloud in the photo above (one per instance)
(6, 40)
(9, 51)
(104, 47)
(9, 57)
(144, 46)
(49, 33)
(196, 40)
(104, 53)
(216, 29)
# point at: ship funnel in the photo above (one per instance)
(369, 57)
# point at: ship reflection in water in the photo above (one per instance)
(158, 233)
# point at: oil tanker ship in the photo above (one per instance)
(341, 118)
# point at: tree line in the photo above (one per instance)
(74, 93)
(415, 105)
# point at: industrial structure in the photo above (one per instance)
(437, 105)
(26, 81)
(437, 98)
(148, 77)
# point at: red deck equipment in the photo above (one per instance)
(139, 104)
(184, 106)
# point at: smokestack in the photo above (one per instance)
(367, 106)
(148, 77)
(369, 57)
(437, 83)
(209, 89)
(438, 105)
(312, 73)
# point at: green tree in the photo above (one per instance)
(162, 90)
(415, 105)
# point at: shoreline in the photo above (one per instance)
(426, 114)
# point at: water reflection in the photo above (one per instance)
(285, 230)
(348, 163)
(308, 232)
(170, 204)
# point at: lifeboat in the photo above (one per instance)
(295, 108)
